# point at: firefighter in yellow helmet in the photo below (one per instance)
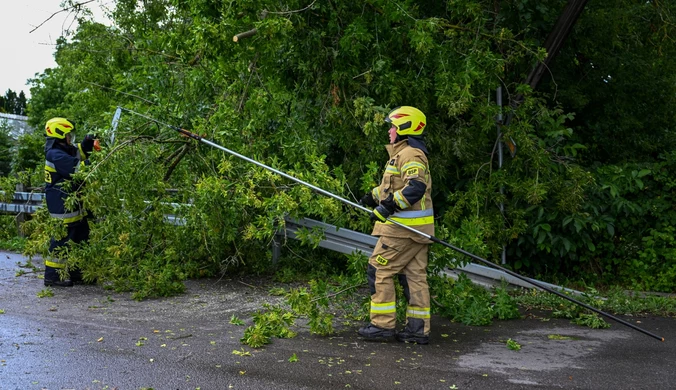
(404, 195)
(63, 158)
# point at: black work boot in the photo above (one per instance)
(373, 333)
(59, 283)
(52, 278)
(414, 332)
(75, 275)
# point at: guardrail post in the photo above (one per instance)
(276, 248)
(21, 217)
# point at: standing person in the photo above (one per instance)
(404, 195)
(63, 159)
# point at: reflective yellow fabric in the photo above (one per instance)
(54, 264)
(418, 312)
(385, 307)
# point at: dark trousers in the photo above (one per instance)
(76, 232)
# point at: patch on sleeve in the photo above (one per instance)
(412, 172)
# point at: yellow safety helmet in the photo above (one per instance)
(59, 127)
(408, 120)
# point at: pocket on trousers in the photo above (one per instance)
(392, 245)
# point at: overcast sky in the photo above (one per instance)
(27, 53)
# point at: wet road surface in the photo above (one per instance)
(87, 337)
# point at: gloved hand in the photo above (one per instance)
(367, 200)
(384, 209)
(87, 143)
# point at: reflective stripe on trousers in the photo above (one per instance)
(69, 217)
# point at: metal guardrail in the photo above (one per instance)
(336, 239)
(348, 241)
(29, 202)
(22, 202)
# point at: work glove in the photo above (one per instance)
(386, 208)
(367, 200)
(87, 144)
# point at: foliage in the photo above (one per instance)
(513, 345)
(10, 237)
(14, 244)
(559, 337)
(6, 146)
(45, 293)
(505, 307)
(235, 320)
(622, 235)
(591, 320)
(616, 301)
(321, 321)
(307, 95)
(28, 159)
(11, 103)
(619, 69)
(301, 108)
(462, 301)
(274, 322)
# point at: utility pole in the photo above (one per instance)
(553, 44)
(498, 98)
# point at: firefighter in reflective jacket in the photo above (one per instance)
(63, 159)
(404, 195)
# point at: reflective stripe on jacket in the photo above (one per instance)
(405, 166)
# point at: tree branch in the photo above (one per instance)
(245, 34)
(184, 149)
(124, 93)
(290, 12)
(58, 12)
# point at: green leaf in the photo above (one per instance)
(643, 172)
(513, 345)
(639, 183)
(235, 320)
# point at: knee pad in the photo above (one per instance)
(371, 276)
(403, 281)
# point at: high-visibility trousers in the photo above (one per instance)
(407, 259)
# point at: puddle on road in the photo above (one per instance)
(538, 352)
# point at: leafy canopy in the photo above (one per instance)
(307, 94)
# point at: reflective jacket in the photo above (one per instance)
(408, 179)
(61, 161)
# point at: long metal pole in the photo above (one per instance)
(431, 238)
(498, 96)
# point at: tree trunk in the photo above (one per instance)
(556, 38)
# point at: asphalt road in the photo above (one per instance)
(86, 337)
